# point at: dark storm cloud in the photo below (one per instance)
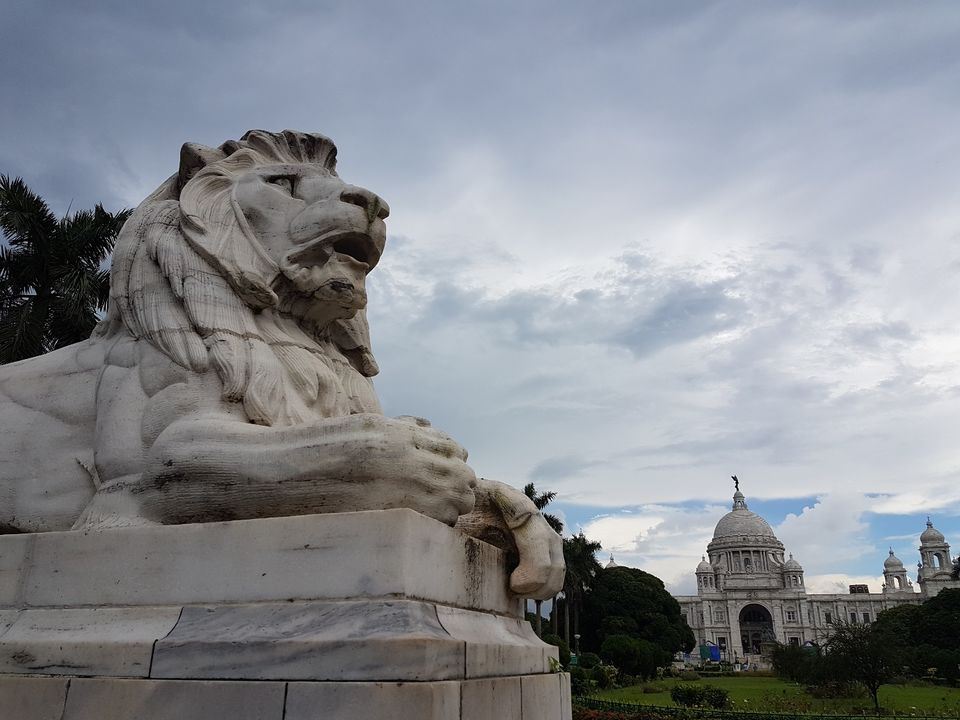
(686, 312)
(560, 468)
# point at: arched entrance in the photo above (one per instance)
(756, 628)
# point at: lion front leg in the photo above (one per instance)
(505, 517)
(210, 470)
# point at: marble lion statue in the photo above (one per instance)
(231, 377)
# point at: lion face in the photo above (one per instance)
(323, 234)
(251, 261)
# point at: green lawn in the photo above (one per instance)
(771, 694)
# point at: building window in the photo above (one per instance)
(718, 616)
(791, 616)
(794, 641)
(866, 618)
(853, 618)
(828, 618)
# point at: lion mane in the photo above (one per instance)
(190, 277)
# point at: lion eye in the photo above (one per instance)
(282, 181)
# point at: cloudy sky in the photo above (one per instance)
(636, 247)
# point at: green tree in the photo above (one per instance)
(580, 556)
(541, 500)
(860, 653)
(629, 602)
(924, 636)
(52, 284)
(801, 664)
(632, 656)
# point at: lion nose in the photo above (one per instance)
(369, 201)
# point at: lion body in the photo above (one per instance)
(47, 453)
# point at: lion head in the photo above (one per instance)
(252, 261)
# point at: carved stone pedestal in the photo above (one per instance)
(384, 614)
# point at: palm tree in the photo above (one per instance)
(52, 284)
(541, 500)
(579, 553)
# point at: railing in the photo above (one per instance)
(659, 712)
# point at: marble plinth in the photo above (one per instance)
(540, 697)
(370, 614)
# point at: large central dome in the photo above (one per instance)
(741, 523)
(746, 555)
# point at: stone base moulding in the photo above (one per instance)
(374, 614)
(543, 697)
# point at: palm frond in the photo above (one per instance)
(70, 321)
(52, 279)
(22, 324)
(24, 216)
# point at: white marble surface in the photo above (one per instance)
(506, 698)
(496, 645)
(373, 701)
(32, 698)
(491, 699)
(541, 696)
(85, 641)
(14, 550)
(7, 618)
(398, 640)
(566, 706)
(381, 553)
(119, 699)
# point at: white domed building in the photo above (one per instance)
(749, 595)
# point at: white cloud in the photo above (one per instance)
(839, 583)
(664, 541)
(830, 534)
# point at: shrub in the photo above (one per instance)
(603, 676)
(716, 698)
(580, 682)
(580, 713)
(700, 696)
(650, 688)
(588, 660)
(689, 675)
(687, 695)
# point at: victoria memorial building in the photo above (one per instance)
(749, 594)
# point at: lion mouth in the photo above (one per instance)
(351, 243)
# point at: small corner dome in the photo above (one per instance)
(892, 562)
(792, 564)
(612, 564)
(704, 566)
(931, 534)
